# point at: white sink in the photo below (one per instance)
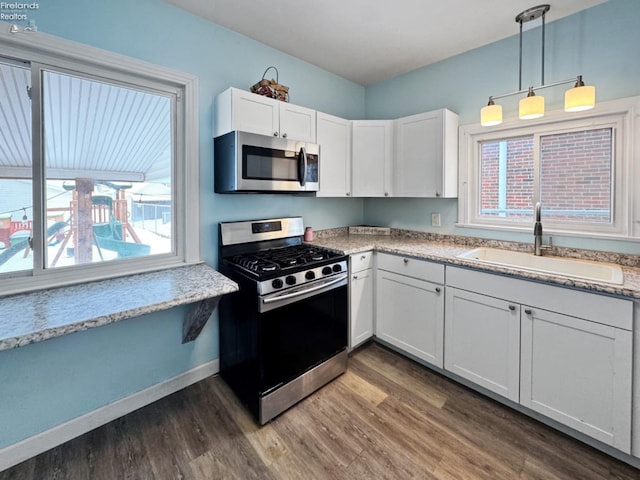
(566, 267)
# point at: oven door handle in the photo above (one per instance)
(306, 291)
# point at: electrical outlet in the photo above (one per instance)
(435, 219)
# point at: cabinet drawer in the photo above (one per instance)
(361, 261)
(411, 267)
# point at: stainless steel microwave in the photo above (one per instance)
(247, 162)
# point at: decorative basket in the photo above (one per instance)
(271, 88)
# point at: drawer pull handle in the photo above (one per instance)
(363, 257)
(512, 307)
(437, 289)
(528, 311)
(406, 260)
(355, 277)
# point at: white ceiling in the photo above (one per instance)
(368, 41)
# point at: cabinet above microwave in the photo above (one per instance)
(236, 109)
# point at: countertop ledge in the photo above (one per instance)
(37, 316)
(445, 249)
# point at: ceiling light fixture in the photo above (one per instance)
(576, 99)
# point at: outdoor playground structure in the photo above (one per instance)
(90, 220)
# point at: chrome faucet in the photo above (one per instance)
(537, 232)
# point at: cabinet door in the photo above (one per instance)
(578, 373)
(410, 315)
(425, 163)
(254, 113)
(361, 307)
(333, 134)
(371, 158)
(297, 123)
(482, 341)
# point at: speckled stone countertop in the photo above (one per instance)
(446, 248)
(37, 316)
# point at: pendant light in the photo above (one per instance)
(491, 114)
(580, 97)
(531, 106)
(577, 99)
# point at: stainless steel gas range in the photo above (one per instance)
(284, 334)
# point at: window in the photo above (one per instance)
(95, 166)
(575, 166)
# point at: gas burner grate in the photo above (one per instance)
(286, 259)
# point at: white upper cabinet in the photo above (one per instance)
(297, 123)
(236, 109)
(371, 158)
(426, 155)
(333, 134)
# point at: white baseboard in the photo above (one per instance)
(41, 442)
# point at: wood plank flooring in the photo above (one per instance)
(386, 418)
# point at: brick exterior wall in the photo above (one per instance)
(575, 177)
(519, 160)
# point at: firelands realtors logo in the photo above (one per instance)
(13, 12)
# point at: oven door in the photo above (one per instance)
(301, 328)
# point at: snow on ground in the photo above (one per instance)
(159, 242)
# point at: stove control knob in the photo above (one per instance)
(310, 275)
(291, 280)
(277, 283)
(337, 268)
(326, 271)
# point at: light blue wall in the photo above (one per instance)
(48, 383)
(601, 43)
(45, 384)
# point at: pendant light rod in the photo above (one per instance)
(539, 87)
(520, 59)
(542, 59)
(527, 16)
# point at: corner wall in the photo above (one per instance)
(601, 43)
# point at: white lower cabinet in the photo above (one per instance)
(578, 373)
(482, 341)
(361, 301)
(409, 307)
(563, 353)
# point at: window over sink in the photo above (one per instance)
(578, 169)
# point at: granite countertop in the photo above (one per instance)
(446, 249)
(33, 317)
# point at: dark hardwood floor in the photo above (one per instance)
(387, 417)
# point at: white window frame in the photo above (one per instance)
(621, 115)
(60, 54)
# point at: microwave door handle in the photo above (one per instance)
(302, 166)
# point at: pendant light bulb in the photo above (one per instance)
(532, 106)
(580, 97)
(491, 115)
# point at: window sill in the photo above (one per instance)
(37, 316)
